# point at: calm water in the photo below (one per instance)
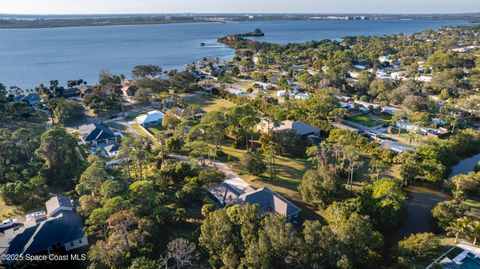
(422, 199)
(31, 56)
(465, 166)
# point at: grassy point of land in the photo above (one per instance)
(209, 103)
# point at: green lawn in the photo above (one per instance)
(371, 120)
(134, 116)
(136, 127)
(289, 173)
(156, 129)
(209, 103)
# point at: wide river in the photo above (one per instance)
(29, 57)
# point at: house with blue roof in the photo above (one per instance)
(152, 118)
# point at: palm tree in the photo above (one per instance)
(473, 231)
(458, 228)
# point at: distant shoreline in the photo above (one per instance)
(42, 22)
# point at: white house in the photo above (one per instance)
(282, 94)
(424, 78)
(354, 74)
(389, 110)
(152, 118)
(399, 75)
(385, 58)
(236, 92)
(302, 96)
(367, 105)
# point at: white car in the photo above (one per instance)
(36, 215)
(8, 223)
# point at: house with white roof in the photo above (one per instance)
(236, 92)
(390, 110)
(282, 94)
(424, 78)
(152, 118)
(399, 75)
(302, 96)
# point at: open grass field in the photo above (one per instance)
(209, 103)
(371, 120)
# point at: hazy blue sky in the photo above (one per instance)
(237, 6)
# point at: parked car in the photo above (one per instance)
(8, 223)
(36, 215)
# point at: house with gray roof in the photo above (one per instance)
(60, 230)
(225, 194)
(31, 98)
(300, 128)
(97, 134)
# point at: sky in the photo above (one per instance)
(236, 6)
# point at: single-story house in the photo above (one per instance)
(282, 93)
(152, 118)
(111, 150)
(390, 110)
(31, 98)
(424, 78)
(71, 92)
(462, 256)
(236, 92)
(84, 89)
(394, 146)
(96, 134)
(399, 75)
(439, 122)
(269, 202)
(60, 230)
(301, 128)
(385, 58)
(367, 105)
(302, 96)
(348, 106)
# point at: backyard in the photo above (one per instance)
(371, 119)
